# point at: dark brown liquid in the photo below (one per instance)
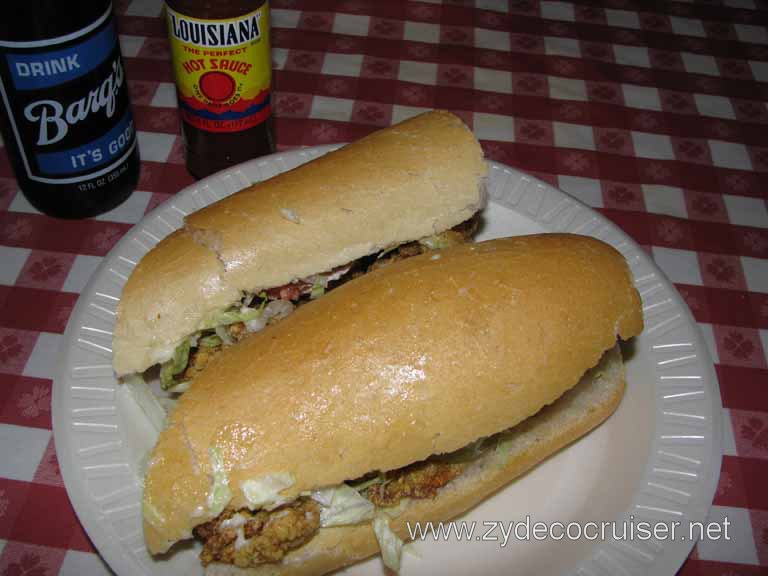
(92, 189)
(208, 152)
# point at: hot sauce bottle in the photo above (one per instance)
(223, 70)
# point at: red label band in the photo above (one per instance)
(235, 125)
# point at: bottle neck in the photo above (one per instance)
(45, 19)
(215, 10)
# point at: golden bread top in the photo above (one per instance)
(421, 357)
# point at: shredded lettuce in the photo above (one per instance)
(223, 334)
(180, 387)
(234, 315)
(259, 322)
(175, 365)
(433, 242)
(210, 341)
(342, 505)
(264, 492)
(389, 542)
(137, 401)
(278, 309)
(220, 494)
(169, 384)
(256, 324)
(178, 363)
(241, 312)
(378, 479)
(316, 291)
(439, 241)
(254, 318)
(506, 443)
(469, 453)
(395, 511)
(140, 392)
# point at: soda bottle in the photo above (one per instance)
(223, 69)
(67, 122)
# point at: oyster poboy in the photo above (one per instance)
(410, 393)
(250, 258)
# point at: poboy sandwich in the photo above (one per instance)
(408, 394)
(252, 257)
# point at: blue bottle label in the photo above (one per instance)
(68, 103)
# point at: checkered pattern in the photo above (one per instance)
(653, 113)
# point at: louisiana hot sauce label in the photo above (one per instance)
(223, 69)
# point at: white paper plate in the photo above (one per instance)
(656, 459)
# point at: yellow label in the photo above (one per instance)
(223, 69)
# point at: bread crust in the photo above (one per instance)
(577, 412)
(393, 186)
(421, 357)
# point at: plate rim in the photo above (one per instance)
(526, 189)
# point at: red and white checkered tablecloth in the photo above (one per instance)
(653, 113)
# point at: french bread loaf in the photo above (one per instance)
(399, 184)
(419, 358)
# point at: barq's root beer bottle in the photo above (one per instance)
(223, 69)
(67, 122)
